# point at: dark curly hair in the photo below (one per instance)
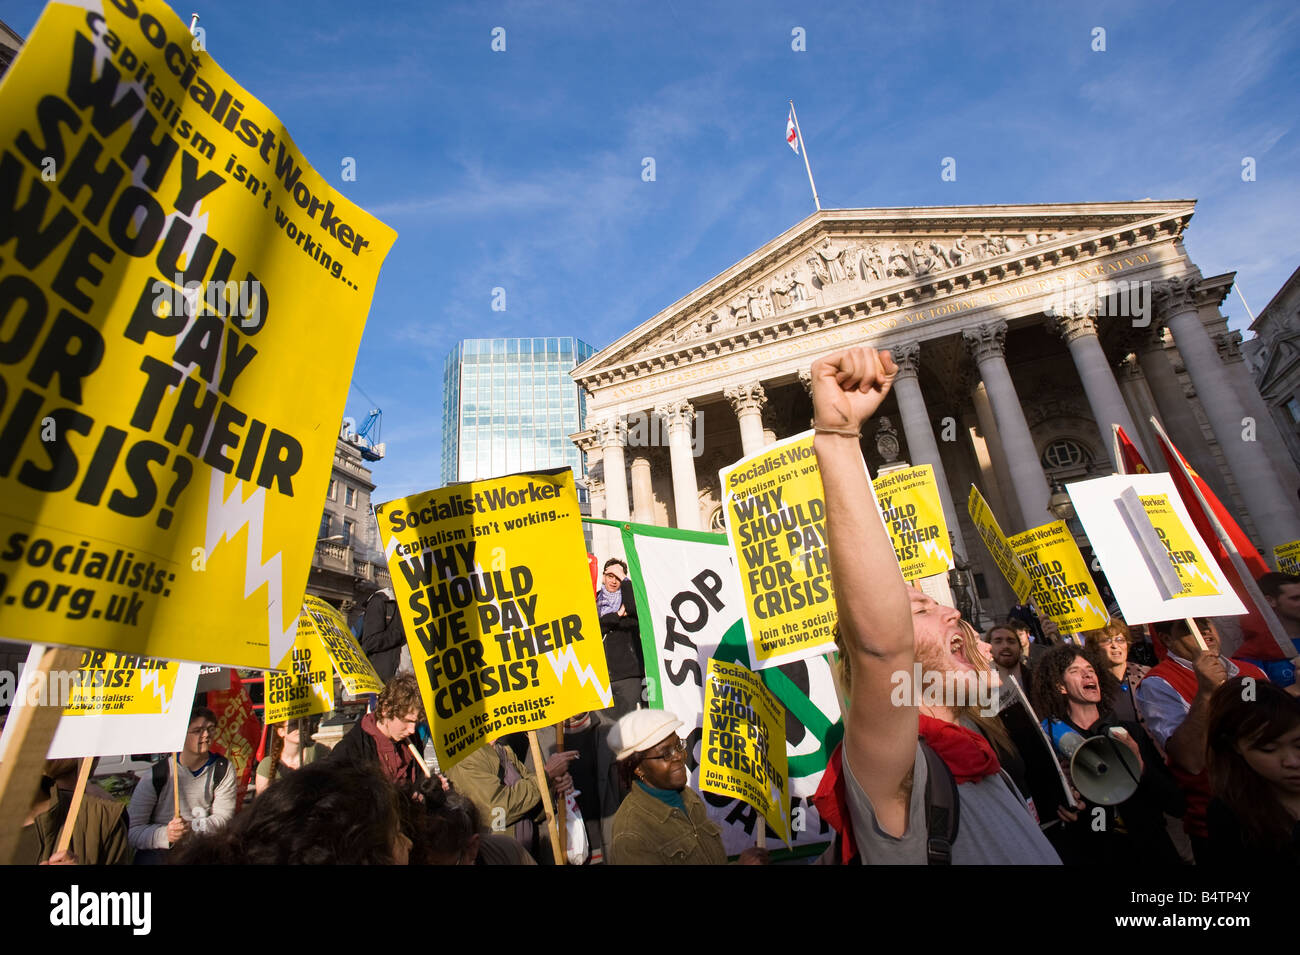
(326, 813)
(1049, 701)
(441, 822)
(1251, 720)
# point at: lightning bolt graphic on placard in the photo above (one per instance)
(325, 696)
(149, 680)
(226, 517)
(1195, 571)
(562, 660)
(1085, 603)
(935, 548)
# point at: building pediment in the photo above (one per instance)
(1279, 359)
(849, 262)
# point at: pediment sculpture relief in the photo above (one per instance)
(858, 262)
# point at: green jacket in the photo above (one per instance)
(480, 775)
(650, 832)
(98, 835)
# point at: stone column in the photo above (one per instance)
(991, 459)
(1175, 415)
(1270, 506)
(680, 416)
(985, 343)
(612, 434)
(1141, 403)
(643, 494)
(1076, 326)
(747, 401)
(921, 446)
(1266, 430)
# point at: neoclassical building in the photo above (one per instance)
(1022, 332)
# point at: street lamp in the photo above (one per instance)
(326, 540)
(1060, 504)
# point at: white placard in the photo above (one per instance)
(1131, 580)
(160, 728)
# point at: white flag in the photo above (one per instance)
(791, 135)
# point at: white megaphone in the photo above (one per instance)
(1104, 770)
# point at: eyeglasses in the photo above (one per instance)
(200, 730)
(674, 752)
(1113, 640)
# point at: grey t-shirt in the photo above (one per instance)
(994, 827)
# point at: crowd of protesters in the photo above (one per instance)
(1211, 742)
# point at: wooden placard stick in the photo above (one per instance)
(1195, 631)
(419, 760)
(543, 784)
(24, 764)
(176, 786)
(760, 837)
(560, 808)
(74, 807)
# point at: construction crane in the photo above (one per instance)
(371, 448)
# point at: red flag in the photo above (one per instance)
(239, 731)
(1257, 642)
(1129, 457)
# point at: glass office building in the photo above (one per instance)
(509, 405)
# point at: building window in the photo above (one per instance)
(325, 522)
(350, 496)
(1065, 453)
(334, 489)
(1293, 408)
(349, 527)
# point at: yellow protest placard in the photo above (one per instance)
(306, 685)
(991, 533)
(492, 581)
(1189, 560)
(913, 514)
(331, 629)
(1287, 557)
(743, 750)
(165, 438)
(1063, 586)
(776, 524)
(122, 684)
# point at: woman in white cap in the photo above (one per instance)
(662, 821)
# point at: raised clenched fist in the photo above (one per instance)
(849, 386)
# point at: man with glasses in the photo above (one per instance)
(206, 791)
(1174, 701)
(662, 821)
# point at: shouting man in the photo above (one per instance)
(885, 627)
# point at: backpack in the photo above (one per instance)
(160, 770)
(942, 813)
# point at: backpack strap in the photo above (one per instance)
(942, 808)
(160, 770)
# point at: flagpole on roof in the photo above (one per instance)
(798, 132)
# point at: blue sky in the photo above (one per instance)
(522, 169)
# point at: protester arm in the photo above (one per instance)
(873, 605)
(478, 776)
(1186, 746)
(1162, 709)
(143, 832)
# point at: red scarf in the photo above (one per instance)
(394, 758)
(967, 754)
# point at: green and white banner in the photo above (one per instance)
(690, 604)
